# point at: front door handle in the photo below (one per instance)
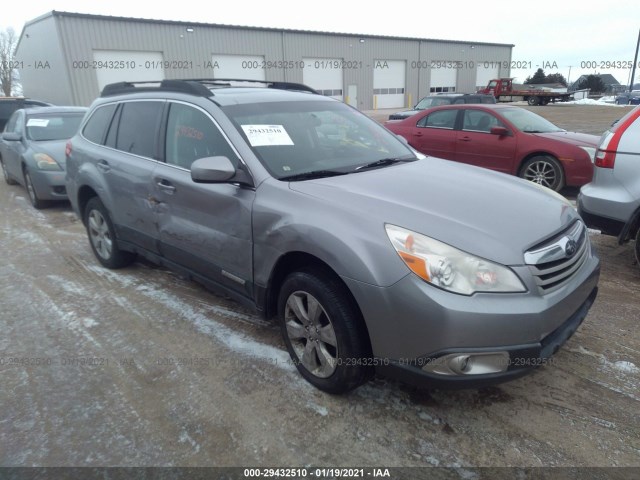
(166, 187)
(465, 139)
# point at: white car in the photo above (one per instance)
(611, 202)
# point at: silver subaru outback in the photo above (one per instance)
(372, 257)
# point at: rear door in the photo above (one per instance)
(434, 134)
(204, 227)
(476, 145)
(126, 164)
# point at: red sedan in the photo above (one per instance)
(505, 138)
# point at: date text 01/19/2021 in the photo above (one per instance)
(320, 472)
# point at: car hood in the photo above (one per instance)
(54, 148)
(489, 214)
(404, 114)
(572, 138)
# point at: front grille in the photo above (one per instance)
(554, 262)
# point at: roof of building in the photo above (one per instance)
(606, 78)
(56, 13)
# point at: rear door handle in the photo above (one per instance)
(417, 134)
(465, 139)
(103, 165)
(165, 186)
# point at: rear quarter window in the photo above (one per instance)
(97, 125)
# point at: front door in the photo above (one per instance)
(476, 145)
(204, 227)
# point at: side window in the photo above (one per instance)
(479, 121)
(96, 127)
(138, 128)
(440, 119)
(192, 135)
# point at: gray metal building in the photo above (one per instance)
(66, 58)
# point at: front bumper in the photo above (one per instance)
(411, 324)
(49, 185)
(519, 359)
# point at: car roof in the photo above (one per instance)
(466, 106)
(54, 110)
(222, 91)
(244, 95)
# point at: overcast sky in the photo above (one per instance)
(568, 33)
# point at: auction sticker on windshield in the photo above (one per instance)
(37, 122)
(264, 135)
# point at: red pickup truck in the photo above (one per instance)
(505, 91)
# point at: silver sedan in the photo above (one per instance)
(32, 150)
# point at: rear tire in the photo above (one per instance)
(102, 237)
(543, 170)
(533, 101)
(324, 331)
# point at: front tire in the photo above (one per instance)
(5, 173)
(324, 331)
(102, 236)
(543, 170)
(31, 191)
(637, 247)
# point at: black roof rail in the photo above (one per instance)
(196, 86)
(183, 86)
(228, 82)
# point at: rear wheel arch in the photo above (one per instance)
(85, 193)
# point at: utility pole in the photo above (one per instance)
(635, 62)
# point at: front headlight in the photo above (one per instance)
(449, 268)
(45, 162)
(591, 151)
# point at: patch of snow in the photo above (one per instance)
(186, 438)
(626, 367)
(231, 339)
(323, 411)
(589, 101)
(89, 322)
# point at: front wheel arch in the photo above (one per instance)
(330, 348)
(526, 160)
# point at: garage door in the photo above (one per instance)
(324, 75)
(389, 83)
(131, 66)
(249, 67)
(486, 71)
(443, 80)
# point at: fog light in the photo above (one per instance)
(469, 363)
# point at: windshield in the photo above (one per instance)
(59, 126)
(429, 102)
(529, 122)
(293, 138)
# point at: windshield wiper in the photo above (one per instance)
(312, 175)
(384, 162)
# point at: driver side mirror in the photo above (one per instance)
(218, 170)
(500, 131)
(11, 137)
